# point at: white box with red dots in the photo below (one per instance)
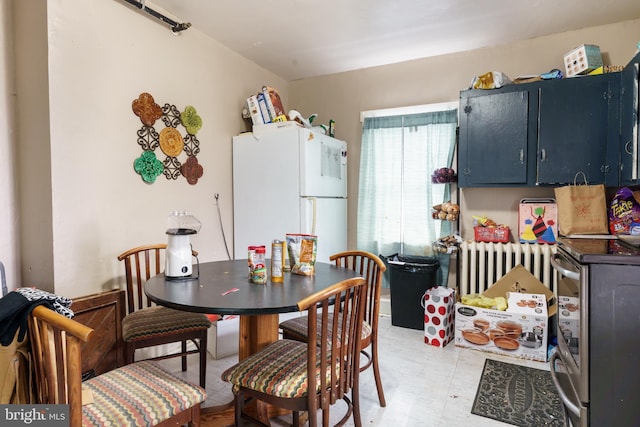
(439, 321)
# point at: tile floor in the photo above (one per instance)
(423, 385)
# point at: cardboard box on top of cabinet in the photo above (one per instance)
(582, 60)
(520, 331)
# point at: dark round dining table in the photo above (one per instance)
(223, 287)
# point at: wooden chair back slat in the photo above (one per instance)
(140, 264)
(56, 343)
(342, 304)
(371, 268)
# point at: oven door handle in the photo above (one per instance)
(555, 262)
(563, 396)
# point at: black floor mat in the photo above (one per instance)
(518, 395)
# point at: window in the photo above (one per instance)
(398, 155)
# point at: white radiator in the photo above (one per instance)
(482, 264)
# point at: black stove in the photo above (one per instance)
(600, 250)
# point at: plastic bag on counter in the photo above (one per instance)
(302, 250)
(490, 80)
(624, 212)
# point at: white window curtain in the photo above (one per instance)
(396, 195)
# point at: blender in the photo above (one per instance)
(178, 259)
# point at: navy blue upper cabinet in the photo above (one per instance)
(540, 133)
(493, 139)
(577, 122)
(629, 139)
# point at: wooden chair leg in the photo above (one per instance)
(203, 360)
(195, 417)
(130, 352)
(355, 404)
(238, 400)
(376, 370)
(312, 415)
(184, 358)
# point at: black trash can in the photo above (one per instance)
(409, 278)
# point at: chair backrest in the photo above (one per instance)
(338, 347)
(371, 268)
(56, 348)
(140, 264)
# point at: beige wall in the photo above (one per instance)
(34, 152)
(78, 137)
(440, 79)
(9, 219)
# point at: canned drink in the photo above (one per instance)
(277, 261)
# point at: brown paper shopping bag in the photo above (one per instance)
(582, 209)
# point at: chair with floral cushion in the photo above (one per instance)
(371, 268)
(308, 376)
(147, 325)
(139, 394)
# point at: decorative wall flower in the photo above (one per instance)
(148, 166)
(171, 142)
(146, 108)
(191, 120)
(192, 170)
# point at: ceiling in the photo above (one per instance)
(298, 39)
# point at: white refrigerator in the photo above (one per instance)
(289, 180)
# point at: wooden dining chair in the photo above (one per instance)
(371, 268)
(147, 325)
(138, 394)
(309, 376)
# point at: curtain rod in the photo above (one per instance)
(176, 27)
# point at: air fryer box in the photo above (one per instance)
(518, 332)
(538, 220)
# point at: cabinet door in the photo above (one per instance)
(493, 140)
(629, 140)
(573, 130)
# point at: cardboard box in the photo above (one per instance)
(519, 332)
(582, 60)
(538, 220)
(223, 337)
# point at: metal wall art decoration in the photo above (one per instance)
(171, 142)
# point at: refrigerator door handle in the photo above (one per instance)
(314, 206)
